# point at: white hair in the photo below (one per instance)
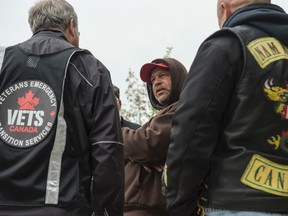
(47, 14)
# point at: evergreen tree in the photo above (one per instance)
(168, 52)
(138, 109)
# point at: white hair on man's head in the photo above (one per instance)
(47, 14)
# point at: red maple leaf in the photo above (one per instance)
(29, 102)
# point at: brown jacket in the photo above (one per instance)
(147, 146)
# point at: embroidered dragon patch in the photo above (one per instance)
(278, 94)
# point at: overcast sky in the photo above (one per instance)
(125, 34)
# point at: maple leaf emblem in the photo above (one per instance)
(29, 102)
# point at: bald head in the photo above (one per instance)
(236, 4)
(226, 7)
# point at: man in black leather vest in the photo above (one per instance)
(229, 149)
(61, 150)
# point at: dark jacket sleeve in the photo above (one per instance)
(197, 121)
(148, 144)
(104, 132)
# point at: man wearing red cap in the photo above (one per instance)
(146, 147)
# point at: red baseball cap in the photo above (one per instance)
(146, 70)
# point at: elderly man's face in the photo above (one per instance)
(161, 84)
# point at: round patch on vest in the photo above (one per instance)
(27, 113)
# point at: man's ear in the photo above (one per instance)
(120, 103)
(72, 33)
(228, 10)
(72, 28)
(225, 12)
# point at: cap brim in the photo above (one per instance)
(146, 70)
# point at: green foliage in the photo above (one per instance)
(138, 109)
(168, 52)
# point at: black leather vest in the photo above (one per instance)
(250, 170)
